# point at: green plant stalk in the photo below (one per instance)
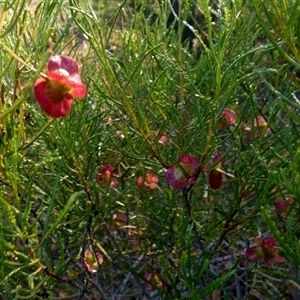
(287, 34)
(60, 217)
(15, 17)
(271, 38)
(40, 132)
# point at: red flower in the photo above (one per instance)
(228, 117)
(267, 248)
(63, 82)
(92, 261)
(149, 181)
(105, 177)
(215, 176)
(182, 174)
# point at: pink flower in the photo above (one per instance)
(92, 261)
(182, 174)
(260, 126)
(119, 220)
(215, 176)
(105, 177)
(63, 82)
(153, 281)
(228, 118)
(162, 139)
(120, 223)
(260, 122)
(283, 203)
(149, 181)
(148, 277)
(135, 237)
(267, 248)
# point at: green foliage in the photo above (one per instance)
(145, 84)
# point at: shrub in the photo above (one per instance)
(154, 185)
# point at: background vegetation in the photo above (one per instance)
(145, 84)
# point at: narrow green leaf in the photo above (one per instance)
(215, 285)
(61, 216)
